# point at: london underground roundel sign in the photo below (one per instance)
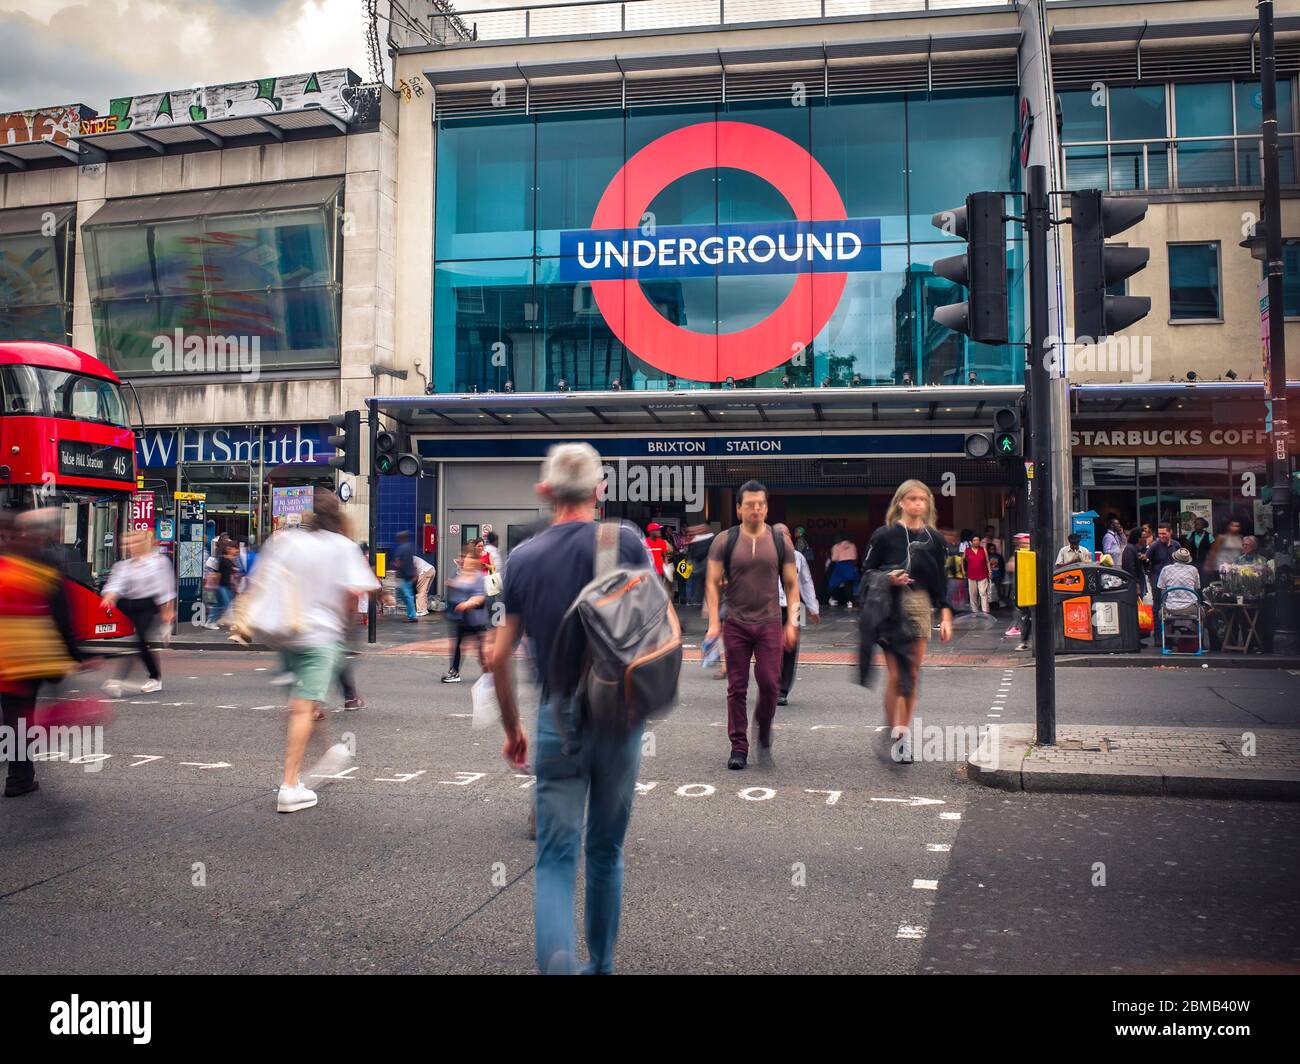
(819, 247)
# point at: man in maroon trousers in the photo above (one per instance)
(749, 559)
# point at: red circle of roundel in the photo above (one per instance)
(793, 172)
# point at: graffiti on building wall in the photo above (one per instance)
(333, 90)
(43, 123)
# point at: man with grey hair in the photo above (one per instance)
(584, 774)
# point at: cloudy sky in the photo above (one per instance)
(59, 52)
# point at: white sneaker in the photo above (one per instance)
(334, 761)
(291, 799)
(834, 603)
(212, 626)
(151, 687)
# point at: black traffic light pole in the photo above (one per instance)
(372, 614)
(1279, 459)
(1038, 219)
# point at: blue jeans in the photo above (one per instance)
(596, 777)
(406, 589)
(224, 599)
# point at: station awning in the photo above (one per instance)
(700, 409)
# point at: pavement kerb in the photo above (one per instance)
(1015, 770)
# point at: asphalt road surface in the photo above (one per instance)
(168, 855)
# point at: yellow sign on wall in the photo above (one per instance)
(190, 496)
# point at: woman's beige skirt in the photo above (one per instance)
(916, 612)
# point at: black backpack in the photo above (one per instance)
(733, 537)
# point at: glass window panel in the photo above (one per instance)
(1194, 472)
(1250, 107)
(1203, 109)
(1291, 280)
(576, 158)
(293, 326)
(29, 270)
(125, 329)
(1139, 166)
(484, 327)
(866, 139)
(81, 397)
(1194, 281)
(957, 144)
(281, 250)
(745, 197)
(1250, 165)
(51, 323)
(870, 326)
(691, 199)
(1083, 115)
(1137, 113)
(575, 342)
(1206, 164)
(150, 259)
(1086, 167)
(1102, 471)
(485, 205)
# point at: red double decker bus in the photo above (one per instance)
(66, 440)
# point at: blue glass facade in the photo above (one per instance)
(506, 308)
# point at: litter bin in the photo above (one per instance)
(1096, 610)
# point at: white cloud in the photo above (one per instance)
(61, 52)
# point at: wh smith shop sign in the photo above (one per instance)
(268, 445)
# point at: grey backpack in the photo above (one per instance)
(633, 642)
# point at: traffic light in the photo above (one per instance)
(982, 270)
(393, 454)
(347, 443)
(1094, 217)
(1005, 441)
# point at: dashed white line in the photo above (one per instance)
(938, 847)
(925, 884)
(949, 816)
(910, 931)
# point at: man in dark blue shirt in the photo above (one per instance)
(1158, 555)
(542, 580)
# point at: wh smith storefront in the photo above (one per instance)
(713, 276)
(245, 472)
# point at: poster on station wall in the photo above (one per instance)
(142, 512)
(288, 505)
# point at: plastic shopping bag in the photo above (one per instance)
(486, 709)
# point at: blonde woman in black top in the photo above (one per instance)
(912, 551)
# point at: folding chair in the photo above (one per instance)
(1182, 627)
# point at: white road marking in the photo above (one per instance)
(89, 759)
(530, 781)
(938, 847)
(824, 727)
(461, 716)
(831, 796)
(145, 759)
(910, 931)
(345, 774)
(260, 668)
(646, 788)
(263, 707)
(401, 777)
(949, 816)
(705, 789)
(913, 801)
(227, 707)
(201, 764)
(998, 715)
(764, 794)
(466, 778)
(925, 884)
